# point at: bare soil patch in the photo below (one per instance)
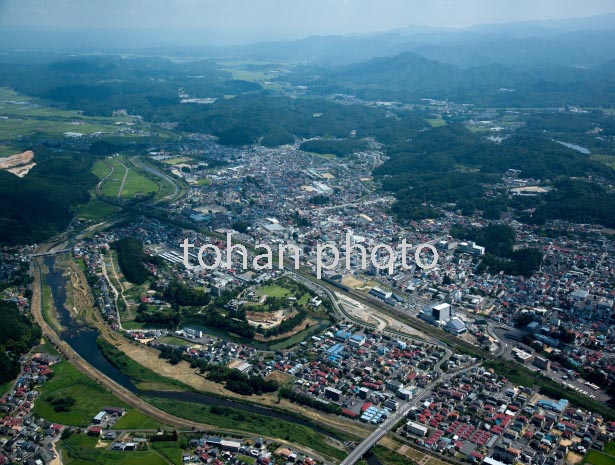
(19, 164)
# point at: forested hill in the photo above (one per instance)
(17, 335)
(410, 77)
(277, 120)
(151, 88)
(39, 205)
(452, 167)
(453, 147)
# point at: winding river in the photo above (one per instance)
(82, 339)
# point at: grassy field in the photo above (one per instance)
(67, 382)
(273, 290)
(133, 419)
(82, 450)
(515, 376)
(388, 457)
(177, 161)
(300, 336)
(6, 387)
(97, 210)
(326, 156)
(610, 448)
(142, 377)
(112, 185)
(594, 457)
(101, 168)
(175, 341)
(132, 325)
(436, 122)
(250, 423)
(44, 346)
(48, 309)
(135, 184)
(8, 150)
(170, 450)
(204, 182)
(606, 159)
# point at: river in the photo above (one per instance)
(82, 339)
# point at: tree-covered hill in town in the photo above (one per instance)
(17, 335)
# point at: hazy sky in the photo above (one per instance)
(250, 20)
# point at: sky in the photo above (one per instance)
(242, 21)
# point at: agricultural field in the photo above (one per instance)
(24, 116)
(81, 397)
(606, 159)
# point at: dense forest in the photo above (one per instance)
(337, 147)
(267, 117)
(180, 294)
(131, 259)
(40, 204)
(100, 85)
(144, 86)
(451, 166)
(240, 383)
(500, 253)
(17, 335)
(577, 201)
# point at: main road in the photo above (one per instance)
(370, 441)
(121, 392)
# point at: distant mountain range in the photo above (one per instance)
(527, 64)
(579, 41)
(409, 77)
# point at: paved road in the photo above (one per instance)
(115, 291)
(119, 191)
(102, 181)
(176, 190)
(385, 427)
(124, 394)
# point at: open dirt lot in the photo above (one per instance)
(19, 164)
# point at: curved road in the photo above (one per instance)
(119, 191)
(121, 392)
(176, 190)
